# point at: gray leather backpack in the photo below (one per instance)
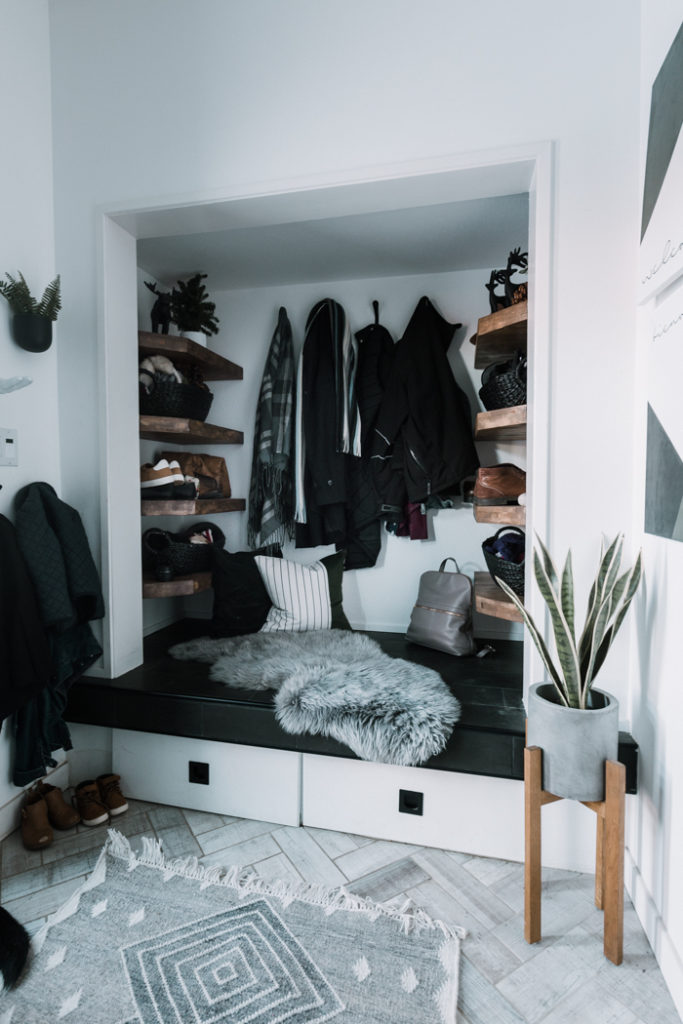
(442, 616)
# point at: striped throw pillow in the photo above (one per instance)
(300, 595)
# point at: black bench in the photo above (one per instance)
(177, 698)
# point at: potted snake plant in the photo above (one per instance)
(575, 724)
(32, 319)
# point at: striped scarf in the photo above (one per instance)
(271, 491)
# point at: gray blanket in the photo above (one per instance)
(339, 684)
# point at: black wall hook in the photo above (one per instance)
(375, 306)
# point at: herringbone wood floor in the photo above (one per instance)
(562, 980)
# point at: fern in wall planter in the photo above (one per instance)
(32, 318)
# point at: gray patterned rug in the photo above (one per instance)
(146, 941)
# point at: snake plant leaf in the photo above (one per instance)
(599, 629)
(548, 563)
(567, 592)
(541, 646)
(564, 641)
(607, 563)
(634, 577)
(590, 651)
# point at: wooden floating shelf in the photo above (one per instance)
(181, 586)
(501, 424)
(174, 430)
(199, 507)
(508, 515)
(183, 351)
(489, 599)
(499, 335)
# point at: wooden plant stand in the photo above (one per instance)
(609, 851)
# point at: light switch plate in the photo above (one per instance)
(9, 455)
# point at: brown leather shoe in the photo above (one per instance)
(36, 833)
(111, 795)
(89, 803)
(60, 814)
(499, 485)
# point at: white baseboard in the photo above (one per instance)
(668, 957)
(9, 812)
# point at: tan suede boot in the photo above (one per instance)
(111, 795)
(36, 833)
(59, 813)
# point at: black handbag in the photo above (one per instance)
(442, 616)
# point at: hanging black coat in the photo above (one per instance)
(327, 411)
(375, 360)
(422, 441)
(24, 647)
(55, 548)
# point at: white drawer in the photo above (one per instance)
(244, 781)
(470, 813)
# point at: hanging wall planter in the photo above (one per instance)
(32, 332)
(32, 320)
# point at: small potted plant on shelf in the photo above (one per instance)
(575, 724)
(32, 320)
(192, 311)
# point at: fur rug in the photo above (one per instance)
(338, 684)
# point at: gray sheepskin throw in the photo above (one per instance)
(338, 684)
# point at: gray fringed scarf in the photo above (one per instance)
(271, 512)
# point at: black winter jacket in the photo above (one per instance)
(422, 441)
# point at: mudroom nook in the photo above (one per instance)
(411, 235)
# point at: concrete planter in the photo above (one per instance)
(575, 743)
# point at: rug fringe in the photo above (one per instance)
(247, 881)
(69, 908)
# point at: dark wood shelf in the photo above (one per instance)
(489, 599)
(175, 430)
(183, 351)
(181, 586)
(199, 507)
(499, 335)
(501, 424)
(501, 515)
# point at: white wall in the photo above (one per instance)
(655, 826)
(269, 100)
(382, 597)
(26, 244)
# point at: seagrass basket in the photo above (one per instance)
(500, 568)
(168, 398)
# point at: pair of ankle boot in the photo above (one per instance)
(100, 799)
(44, 809)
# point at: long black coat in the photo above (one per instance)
(24, 647)
(55, 548)
(422, 441)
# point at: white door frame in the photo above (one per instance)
(458, 176)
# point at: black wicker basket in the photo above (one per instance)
(161, 548)
(168, 398)
(504, 384)
(511, 573)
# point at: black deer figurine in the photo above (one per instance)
(161, 310)
(517, 262)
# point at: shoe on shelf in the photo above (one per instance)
(36, 833)
(89, 803)
(111, 795)
(499, 485)
(59, 813)
(186, 491)
(162, 473)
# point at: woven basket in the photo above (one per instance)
(163, 548)
(168, 398)
(504, 384)
(511, 573)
